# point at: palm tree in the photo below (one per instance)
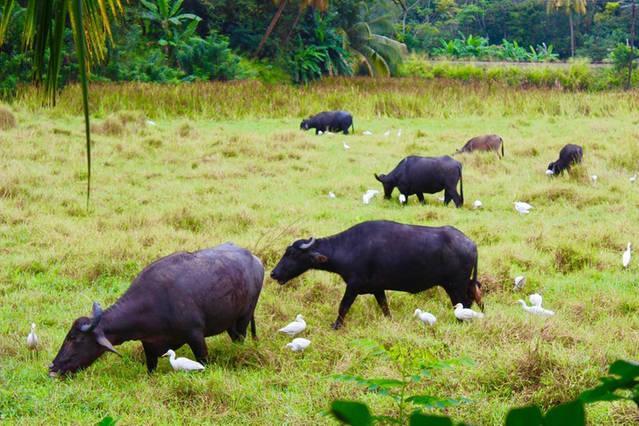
(321, 5)
(377, 54)
(45, 22)
(570, 7)
(281, 4)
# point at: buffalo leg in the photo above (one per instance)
(447, 197)
(238, 330)
(380, 296)
(420, 197)
(198, 345)
(344, 306)
(456, 198)
(151, 352)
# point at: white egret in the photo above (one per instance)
(295, 327)
(387, 133)
(549, 172)
(519, 282)
(402, 198)
(298, 344)
(32, 339)
(368, 195)
(183, 364)
(466, 314)
(367, 132)
(536, 310)
(346, 146)
(625, 259)
(477, 204)
(633, 178)
(331, 195)
(523, 208)
(425, 317)
(594, 178)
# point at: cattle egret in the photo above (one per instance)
(425, 317)
(368, 195)
(320, 133)
(367, 132)
(151, 123)
(346, 146)
(536, 310)
(298, 344)
(387, 133)
(633, 178)
(477, 204)
(183, 364)
(625, 259)
(32, 339)
(441, 198)
(523, 208)
(549, 172)
(295, 327)
(399, 133)
(535, 299)
(594, 178)
(466, 314)
(331, 195)
(519, 282)
(402, 198)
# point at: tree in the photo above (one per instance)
(406, 6)
(281, 4)
(168, 15)
(570, 7)
(45, 23)
(320, 5)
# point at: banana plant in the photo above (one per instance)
(45, 22)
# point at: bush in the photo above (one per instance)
(209, 59)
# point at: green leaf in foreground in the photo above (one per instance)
(351, 413)
(524, 416)
(568, 414)
(420, 419)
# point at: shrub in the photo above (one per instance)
(210, 58)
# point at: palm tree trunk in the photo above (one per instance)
(290, 31)
(271, 26)
(572, 34)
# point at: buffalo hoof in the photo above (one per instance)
(336, 325)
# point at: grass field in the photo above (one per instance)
(240, 171)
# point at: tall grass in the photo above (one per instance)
(365, 97)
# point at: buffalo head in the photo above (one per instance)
(305, 125)
(298, 258)
(387, 183)
(553, 167)
(85, 342)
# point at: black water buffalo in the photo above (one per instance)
(329, 121)
(568, 156)
(380, 255)
(418, 175)
(179, 299)
(484, 143)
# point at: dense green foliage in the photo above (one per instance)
(185, 40)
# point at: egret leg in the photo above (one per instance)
(344, 306)
(380, 296)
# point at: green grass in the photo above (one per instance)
(239, 171)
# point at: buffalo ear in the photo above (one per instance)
(379, 177)
(103, 341)
(320, 258)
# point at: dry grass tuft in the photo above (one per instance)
(7, 118)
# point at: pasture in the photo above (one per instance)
(228, 163)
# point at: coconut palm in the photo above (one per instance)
(377, 54)
(45, 22)
(321, 5)
(570, 7)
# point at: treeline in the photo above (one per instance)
(303, 40)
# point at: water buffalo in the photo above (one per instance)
(329, 121)
(484, 143)
(568, 156)
(179, 299)
(380, 255)
(418, 175)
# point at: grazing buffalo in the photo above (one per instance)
(178, 299)
(568, 156)
(329, 121)
(484, 143)
(380, 255)
(418, 175)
